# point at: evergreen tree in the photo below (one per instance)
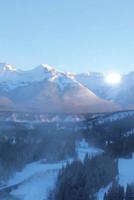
(105, 196)
(115, 192)
(81, 181)
(130, 192)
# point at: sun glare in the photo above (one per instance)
(113, 79)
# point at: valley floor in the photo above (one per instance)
(35, 181)
(38, 178)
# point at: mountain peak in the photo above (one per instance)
(46, 68)
(6, 67)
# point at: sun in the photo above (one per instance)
(113, 79)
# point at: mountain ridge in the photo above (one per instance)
(45, 88)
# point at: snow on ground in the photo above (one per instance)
(126, 171)
(102, 191)
(37, 187)
(83, 148)
(36, 179)
(126, 175)
(34, 168)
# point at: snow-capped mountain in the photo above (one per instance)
(121, 94)
(13, 78)
(48, 90)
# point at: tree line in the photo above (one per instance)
(23, 145)
(112, 136)
(118, 192)
(82, 180)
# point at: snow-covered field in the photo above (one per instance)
(37, 186)
(36, 167)
(126, 171)
(38, 178)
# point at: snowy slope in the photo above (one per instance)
(83, 148)
(102, 191)
(37, 187)
(126, 171)
(113, 117)
(13, 78)
(126, 175)
(46, 89)
(33, 168)
(117, 93)
(36, 179)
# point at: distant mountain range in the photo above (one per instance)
(44, 89)
(121, 94)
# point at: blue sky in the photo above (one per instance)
(72, 35)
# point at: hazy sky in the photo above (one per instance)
(72, 35)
